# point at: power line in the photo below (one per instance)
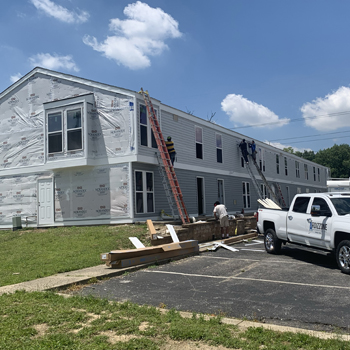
(301, 137)
(329, 138)
(293, 120)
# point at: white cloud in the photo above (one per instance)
(281, 146)
(59, 12)
(55, 62)
(245, 112)
(330, 111)
(137, 38)
(15, 77)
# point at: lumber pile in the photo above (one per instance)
(125, 258)
(142, 255)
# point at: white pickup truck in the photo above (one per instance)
(318, 220)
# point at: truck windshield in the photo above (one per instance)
(341, 205)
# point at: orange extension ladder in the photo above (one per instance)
(169, 169)
(280, 194)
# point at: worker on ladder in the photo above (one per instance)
(244, 149)
(252, 146)
(171, 149)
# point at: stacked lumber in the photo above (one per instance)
(125, 258)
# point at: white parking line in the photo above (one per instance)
(255, 242)
(249, 279)
(253, 250)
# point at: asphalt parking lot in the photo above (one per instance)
(299, 288)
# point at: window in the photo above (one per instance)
(54, 132)
(64, 130)
(144, 192)
(74, 134)
(242, 162)
(285, 166)
(288, 196)
(318, 175)
(263, 190)
(146, 134)
(301, 204)
(218, 148)
(314, 173)
(297, 172)
(199, 142)
(324, 208)
(221, 191)
(341, 205)
(262, 159)
(277, 163)
(306, 171)
(246, 195)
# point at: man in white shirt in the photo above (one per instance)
(220, 213)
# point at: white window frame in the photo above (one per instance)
(262, 159)
(148, 126)
(288, 196)
(297, 169)
(63, 111)
(144, 191)
(306, 171)
(218, 148)
(199, 142)
(246, 195)
(285, 166)
(223, 190)
(263, 189)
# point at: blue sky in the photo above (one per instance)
(276, 71)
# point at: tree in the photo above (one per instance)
(337, 159)
(289, 149)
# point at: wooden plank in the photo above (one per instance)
(151, 229)
(152, 258)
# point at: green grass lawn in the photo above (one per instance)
(45, 320)
(33, 253)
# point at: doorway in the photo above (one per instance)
(45, 201)
(200, 195)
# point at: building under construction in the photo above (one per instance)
(78, 152)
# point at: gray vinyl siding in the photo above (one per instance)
(181, 127)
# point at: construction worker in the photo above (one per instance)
(220, 213)
(171, 149)
(244, 149)
(252, 145)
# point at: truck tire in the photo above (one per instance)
(271, 242)
(342, 256)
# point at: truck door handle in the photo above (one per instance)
(290, 217)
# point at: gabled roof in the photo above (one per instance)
(68, 77)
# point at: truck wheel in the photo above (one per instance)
(272, 243)
(343, 256)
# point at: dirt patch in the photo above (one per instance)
(42, 329)
(189, 345)
(113, 338)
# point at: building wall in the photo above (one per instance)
(112, 153)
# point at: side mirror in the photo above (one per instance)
(315, 210)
